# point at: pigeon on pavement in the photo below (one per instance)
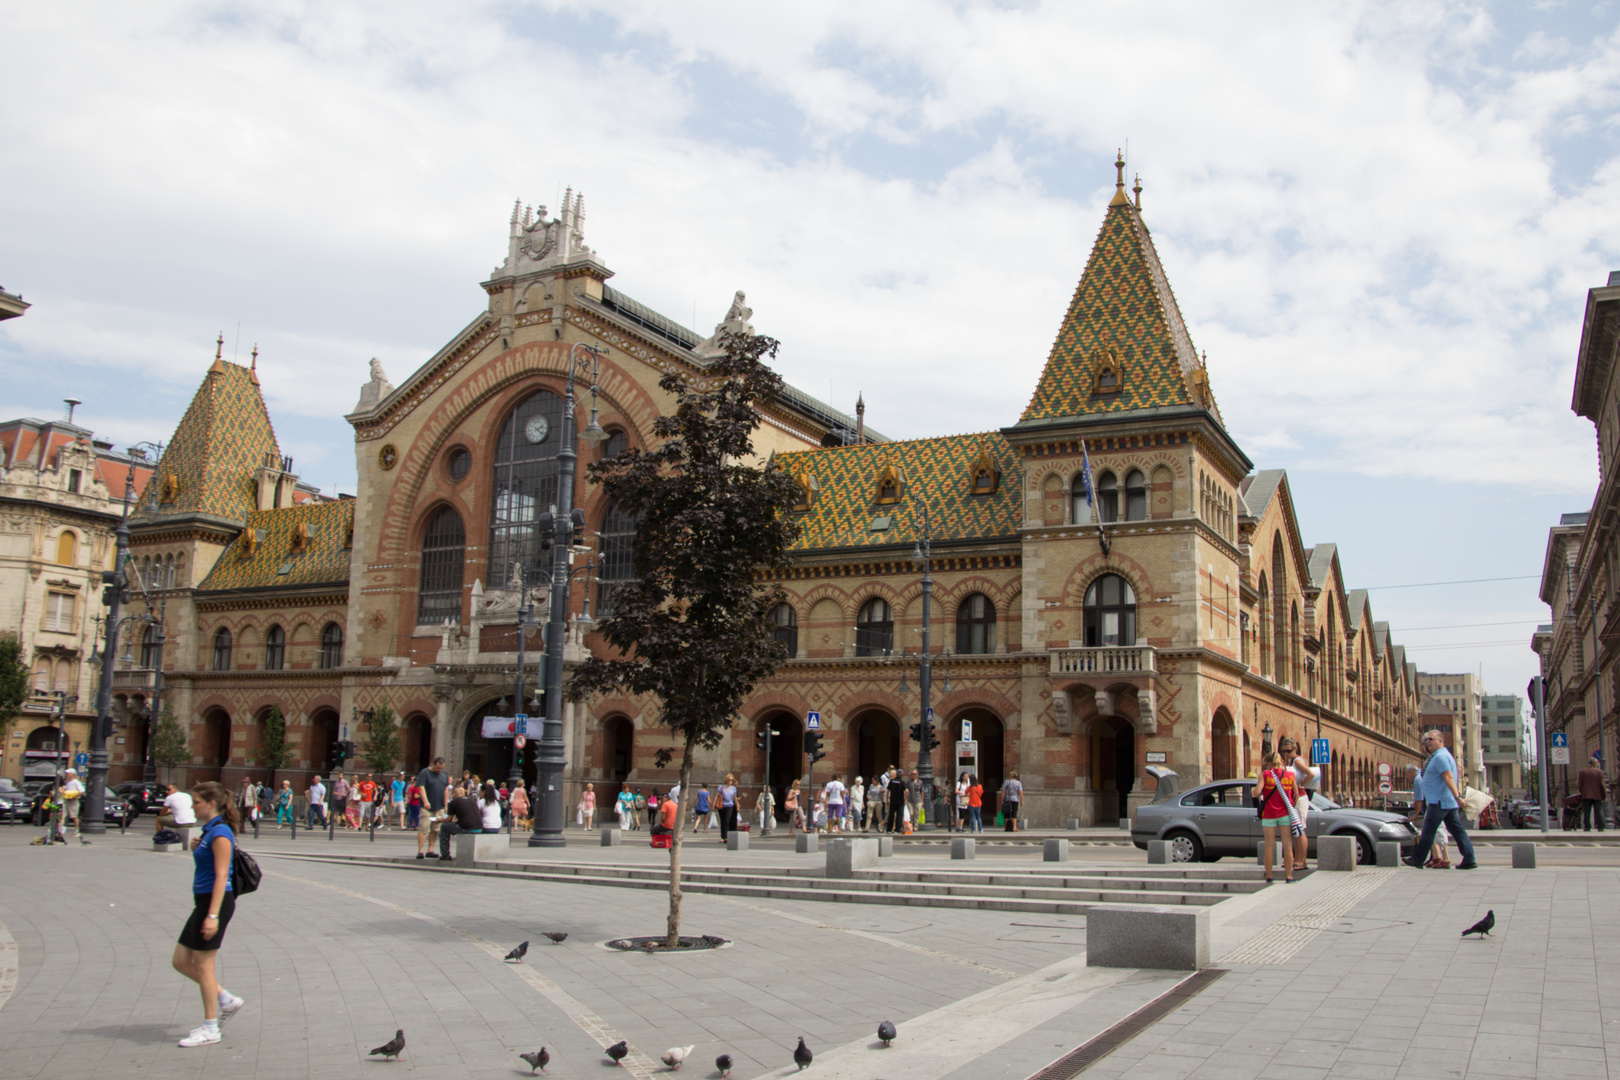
(537, 1060)
(723, 1063)
(559, 938)
(675, 1055)
(517, 953)
(886, 1032)
(392, 1047)
(802, 1055)
(619, 1051)
(1483, 927)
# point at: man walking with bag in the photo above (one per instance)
(1441, 801)
(1593, 791)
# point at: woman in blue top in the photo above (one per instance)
(728, 807)
(702, 808)
(213, 903)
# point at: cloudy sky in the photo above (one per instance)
(1380, 220)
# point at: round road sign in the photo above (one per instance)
(519, 741)
(1385, 788)
(1385, 769)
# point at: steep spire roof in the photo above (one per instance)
(1123, 345)
(225, 436)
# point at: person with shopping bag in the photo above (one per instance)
(1274, 799)
(1306, 778)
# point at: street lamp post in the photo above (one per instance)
(922, 557)
(548, 818)
(514, 776)
(93, 820)
(149, 771)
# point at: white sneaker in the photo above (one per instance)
(201, 1037)
(230, 1006)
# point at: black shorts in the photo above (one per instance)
(191, 937)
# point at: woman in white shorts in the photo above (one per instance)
(1306, 776)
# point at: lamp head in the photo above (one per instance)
(916, 555)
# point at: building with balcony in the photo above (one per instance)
(1166, 611)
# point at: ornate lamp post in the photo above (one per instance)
(93, 820)
(922, 558)
(548, 818)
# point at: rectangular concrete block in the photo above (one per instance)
(1158, 851)
(737, 841)
(1524, 855)
(1073, 823)
(1125, 824)
(1336, 854)
(612, 836)
(472, 848)
(844, 857)
(885, 847)
(1055, 850)
(1389, 853)
(168, 847)
(962, 847)
(1146, 936)
(188, 833)
(806, 843)
(1260, 853)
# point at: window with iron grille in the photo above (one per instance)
(444, 545)
(617, 561)
(525, 481)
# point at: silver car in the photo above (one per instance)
(1218, 819)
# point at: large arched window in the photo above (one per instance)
(525, 482)
(785, 628)
(614, 444)
(331, 646)
(1135, 496)
(67, 548)
(617, 564)
(874, 628)
(1107, 497)
(222, 649)
(275, 649)
(1281, 663)
(976, 625)
(444, 545)
(1110, 612)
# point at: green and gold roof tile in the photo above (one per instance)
(295, 546)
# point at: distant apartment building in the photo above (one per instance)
(1502, 733)
(1462, 695)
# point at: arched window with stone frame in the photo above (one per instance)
(275, 648)
(444, 547)
(1136, 500)
(524, 482)
(1107, 497)
(331, 646)
(874, 628)
(222, 649)
(976, 625)
(1109, 614)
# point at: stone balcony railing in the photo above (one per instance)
(1105, 660)
(133, 679)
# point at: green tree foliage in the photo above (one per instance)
(13, 680)
(276, 750)
(382, 746)
(692, 628)
(169, 744)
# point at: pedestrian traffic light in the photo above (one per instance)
(577, 516)
(812, 746)
(546, 527)
(931, 742)
(348, 750)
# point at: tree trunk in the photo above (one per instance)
(672, 940)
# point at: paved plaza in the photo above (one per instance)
(1359, 975)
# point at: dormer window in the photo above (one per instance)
(983, 476)
(1110, 373)
(808, 488)
(891, 485)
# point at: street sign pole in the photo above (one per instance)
(1539, 710)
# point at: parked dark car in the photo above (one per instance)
(114, 809)
(1216, 820)
(143, 796)
(13, 801)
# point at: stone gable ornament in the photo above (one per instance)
(373, 392)
(735, 322)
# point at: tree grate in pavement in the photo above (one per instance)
(1087, 1054)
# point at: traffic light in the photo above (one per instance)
(759, 740)
(334, 752)
(348, 750)
(812, 746)
(916, 732)
(577, 516)
(932, 741)
(546, 526)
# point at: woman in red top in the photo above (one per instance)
(975, 804)
(1275, 793)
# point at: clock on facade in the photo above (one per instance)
(537, 429)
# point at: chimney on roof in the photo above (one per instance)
(860, 419)
(72, 403)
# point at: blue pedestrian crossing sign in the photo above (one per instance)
(520, 724)
(1320, 754)
(812, 721)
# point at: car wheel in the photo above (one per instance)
(1184, 847)
(1366, 853)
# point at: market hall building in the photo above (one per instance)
(1176, 618)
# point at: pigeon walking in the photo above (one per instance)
(1483, 927)
(723, 1063)
(392, 1047)
(675, 1055)
(802, 1055)
(518, 953)
(559, 938)
(537, 1060)
(886, 1032)
(619, 1051)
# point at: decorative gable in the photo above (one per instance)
(984, 476)
(891, 486)
(809, 487)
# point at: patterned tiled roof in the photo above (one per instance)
(263, 556)
(1123, 308)
(223, 438)
(935, 473)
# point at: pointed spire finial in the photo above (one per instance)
(219, 345)
(1137, 189)
(1119, 198)
(255, 363)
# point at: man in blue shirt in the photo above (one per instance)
(1437, 787)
